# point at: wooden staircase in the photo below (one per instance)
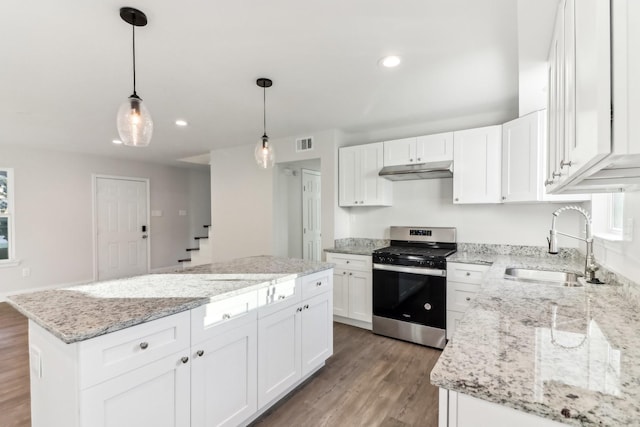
(200, 254)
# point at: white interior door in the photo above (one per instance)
(122, 229)
(311, 230)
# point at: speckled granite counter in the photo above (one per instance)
(81, 312)
(567, 354)
(357, 246)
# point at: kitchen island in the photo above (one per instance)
(213, 345)
(534, 354)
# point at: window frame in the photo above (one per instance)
(11, 219)
(603, 210)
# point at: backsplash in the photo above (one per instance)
(516, 250)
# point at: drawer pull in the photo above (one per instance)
(299, 309)
(184, 359)
(468, 274)
(226, 316)
(200, 353)
(318, 284)
(306, 306)
(144, 345)
(468, 298)
(348, 261)
(344, 272)
(281, 297)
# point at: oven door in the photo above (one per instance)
(410, 294)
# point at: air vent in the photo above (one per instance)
(304, 144)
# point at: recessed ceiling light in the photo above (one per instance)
(117, 141)
(390, 61)
(181, 122)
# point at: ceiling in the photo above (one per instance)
(66, 68)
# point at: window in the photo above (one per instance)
(616, 211)
(6, 215)
(608, 215)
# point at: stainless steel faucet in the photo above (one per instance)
(590, 261)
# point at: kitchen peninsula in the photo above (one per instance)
(214, 345)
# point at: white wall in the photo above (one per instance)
(244, 200)
(53, 222)
(199, 207)
(624, 257)
(430, 203)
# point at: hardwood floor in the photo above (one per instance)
(369, 381)
(14, 374)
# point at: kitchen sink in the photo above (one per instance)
(545, 276)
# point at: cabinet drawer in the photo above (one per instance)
(278, 296)
(466, 273)
(113, 354)
(316, 283)
(220, 316)
(460, 295)
(352, 262)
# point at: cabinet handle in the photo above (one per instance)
(504, 197)
(344, 272)
(318, 284)
(556, 174)
(281, 297)
(563, 163)
(350, 274)
(548, 182)
(306, 306)
(456, 199)
(468, 298)
(348, 261)
(226, 316)
(200, 353)
(411, 160)
(184, 359)
(298, 310)
(144, 345)
(468, 274)
(419, 159)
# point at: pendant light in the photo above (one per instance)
(135, 125)
(265, 157)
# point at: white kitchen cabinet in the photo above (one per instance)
(155, 395)
(461, 410)
(594, 70)
(353, 287)
(292, 343)
(358, 180)
(224, 381)
(477, 170)
(463, 283)
(524, 161)
(421, 149)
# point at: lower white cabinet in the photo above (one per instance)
(224, 378)
(460, 410)
(155, 395)
(221, 364)
(352, 288)
(463, 283)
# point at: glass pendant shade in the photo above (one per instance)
(135, 125)
(265, 156)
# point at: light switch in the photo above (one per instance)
(156, 213)
(182, 212)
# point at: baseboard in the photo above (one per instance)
(170, 269)
(352, 322)
(4, 295)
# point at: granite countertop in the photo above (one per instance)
(82, 312)
(567, 354)
(351, 250)
(357, 246)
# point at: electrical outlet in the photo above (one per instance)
(182, 212)
(156, 213)
(26, 272)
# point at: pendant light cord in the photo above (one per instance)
(264, 109)
(133, 26)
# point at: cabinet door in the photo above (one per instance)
(477, 158)
(279, 360)
(156, 395)
(434, 148)
(374, 191)
(341, 293)
(224, 381)
(400, 152)
(592, 140)
(360, 304)
(521, 167)
(317, 332)
(349, 169)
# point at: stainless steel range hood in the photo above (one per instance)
(419, 171)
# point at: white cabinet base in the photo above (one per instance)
(352, 322)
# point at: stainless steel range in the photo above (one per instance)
(410, 285)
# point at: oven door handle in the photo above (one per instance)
(411, 270)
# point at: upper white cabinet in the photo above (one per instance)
(359, 182)
(477, 171)
(594, 92)
(421, 149)
(524, 161)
